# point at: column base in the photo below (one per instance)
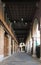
(1, 57)
(33, 55)
(9, 54)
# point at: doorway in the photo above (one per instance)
(6, 50)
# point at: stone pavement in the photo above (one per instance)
(20, 59)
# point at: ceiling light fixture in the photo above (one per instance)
(21, 19)
(25, 23)
(14, 21)
(37, 4)
(3, 4)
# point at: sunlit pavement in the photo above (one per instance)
(20, 59)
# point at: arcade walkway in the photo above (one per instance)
(20, 59)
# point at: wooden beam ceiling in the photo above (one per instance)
(18, 9)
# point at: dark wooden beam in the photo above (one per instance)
(19, 0)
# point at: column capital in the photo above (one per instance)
(2, 29)
(3, 5)
(8, 36)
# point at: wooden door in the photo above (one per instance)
(6, 46)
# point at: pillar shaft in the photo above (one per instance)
(1, 42)
(34, 47)
(40, 39)
(9, 37)
(13, 46)
(28, 47)
(40, 25)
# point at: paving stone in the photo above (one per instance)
(20, 59)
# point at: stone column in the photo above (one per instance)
(13, 46)
(40, 25)
(28, 47)
(34, 47)
(1, 43)
(40, 39)
(9, 37)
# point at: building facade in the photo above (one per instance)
(8, 42)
